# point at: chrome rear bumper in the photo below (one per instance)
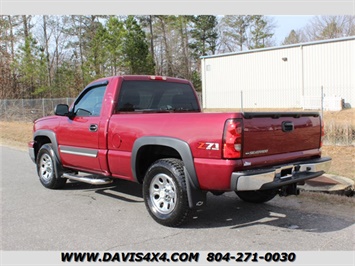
(279, 176)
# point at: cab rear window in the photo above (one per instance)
(153, 96)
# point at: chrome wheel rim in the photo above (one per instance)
(162, 193)
(46, 167)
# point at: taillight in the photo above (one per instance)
(232, 139)
(322, 134)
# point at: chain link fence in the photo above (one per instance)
(28, 110)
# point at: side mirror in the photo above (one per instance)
(62, 110)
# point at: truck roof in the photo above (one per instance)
(144, 77)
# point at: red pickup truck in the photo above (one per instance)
(150, 130)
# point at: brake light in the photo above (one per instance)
(232, 139)
(157, 77)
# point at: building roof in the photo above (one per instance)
(280, 47)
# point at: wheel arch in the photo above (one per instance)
(148, 149)
(159, 148)
(42, 137)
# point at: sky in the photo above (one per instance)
(284, 25)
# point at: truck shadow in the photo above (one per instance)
(119, 189)
(228, 210)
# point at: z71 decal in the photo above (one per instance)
(208, 146)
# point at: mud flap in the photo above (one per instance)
(196, 197)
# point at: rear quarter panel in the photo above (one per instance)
(193, 128)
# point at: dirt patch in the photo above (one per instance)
(16, 134)
(343, 160)
(346, 116)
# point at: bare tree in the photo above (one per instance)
(46, 37)
(9, 36)
(185, 63)
(167, 57)
(330, 27)
(295, 36)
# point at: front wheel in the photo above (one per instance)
(257, 196)
(48, 168)
(164, 192)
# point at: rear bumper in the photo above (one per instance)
(279, 176)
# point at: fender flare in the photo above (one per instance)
(52, 137)
(196, 196)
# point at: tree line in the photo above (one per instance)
(56, 56)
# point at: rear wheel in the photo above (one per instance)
(257, 196)
(48, 168)
(164, 192)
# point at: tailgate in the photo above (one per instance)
(276, 133)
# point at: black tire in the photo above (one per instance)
(257, 196)
(49, 169)
(164, 192)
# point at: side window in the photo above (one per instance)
(90, 103)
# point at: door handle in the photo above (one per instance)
(93, 127)
(287, 126)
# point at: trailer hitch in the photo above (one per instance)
(289, 190)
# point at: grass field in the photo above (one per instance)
(17, 134)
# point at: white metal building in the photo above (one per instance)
(291, 76)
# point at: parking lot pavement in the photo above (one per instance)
(84, 217)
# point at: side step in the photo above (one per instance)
(90, 179)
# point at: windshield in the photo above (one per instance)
(153, 96)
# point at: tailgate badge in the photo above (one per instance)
(247, 164)
(256, 152)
